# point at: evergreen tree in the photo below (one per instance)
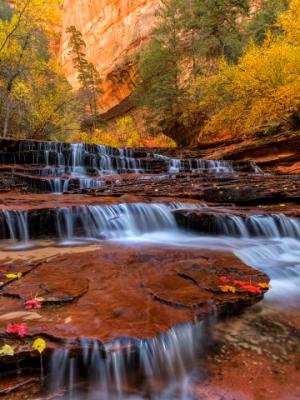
(88, 78)
(213, 29)
(159, 86)
(265, 20)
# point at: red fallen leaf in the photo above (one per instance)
(240, 283)
(252, 289)
(18, 329)
(2, 271)
(32, 304)
(224, 279)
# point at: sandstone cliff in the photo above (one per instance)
(113, 31)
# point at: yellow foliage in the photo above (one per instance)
(262, 89)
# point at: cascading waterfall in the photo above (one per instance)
(109, 371)
(273, 226)
(133, 220)
(113, 221)
(16, 223)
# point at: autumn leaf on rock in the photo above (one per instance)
(17, 329)
(39, 344)
(14, 276)
(7, 350)
(252, 289)
(224, 279)
(239, 283)
(228, 289)
(264, 285)
(32, 304)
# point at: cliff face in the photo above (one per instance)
(113, 31)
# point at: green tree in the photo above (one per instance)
(159, 86)
(88, 78)
(265, 19)
(213, 29)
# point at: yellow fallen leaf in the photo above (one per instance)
(39, 344)
(282, 205)
(264, 285)
(227, 289)
(14, 276)
(40, 299)
(7, 350)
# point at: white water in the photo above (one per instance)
(268, 243)
(75, 160)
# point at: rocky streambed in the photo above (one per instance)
(145, 276)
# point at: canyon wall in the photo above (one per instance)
(113, 31)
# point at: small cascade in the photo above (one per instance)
(16, 225)
(113, 221)
(214, 167)
(158, 367)
(268, 226)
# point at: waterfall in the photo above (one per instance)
(134, 220)
(113, 221)
(268, 226)
(159, 364)
(17, 225)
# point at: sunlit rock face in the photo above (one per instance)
(113, 31)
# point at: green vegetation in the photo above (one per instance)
(89, 80)
(211, 68)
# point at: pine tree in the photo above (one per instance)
(159, 71)
(88, 78)
(213, 28)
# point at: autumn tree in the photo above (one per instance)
(260, 92)
(88, 78)
(25, 65)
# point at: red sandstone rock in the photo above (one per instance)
(125, 292)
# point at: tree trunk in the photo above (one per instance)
(7, 115)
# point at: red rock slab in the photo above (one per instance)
(128, 292)
(35, 201)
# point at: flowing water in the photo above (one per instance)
(171, 365)
(86, 165)
(165, 367)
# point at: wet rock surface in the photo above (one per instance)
(126, 292)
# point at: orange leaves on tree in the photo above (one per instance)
(17, 329)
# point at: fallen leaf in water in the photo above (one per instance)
(14, 276)
(7, 350)
(18, 329)
(228, 289)
(39, 344)
(32, 304)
